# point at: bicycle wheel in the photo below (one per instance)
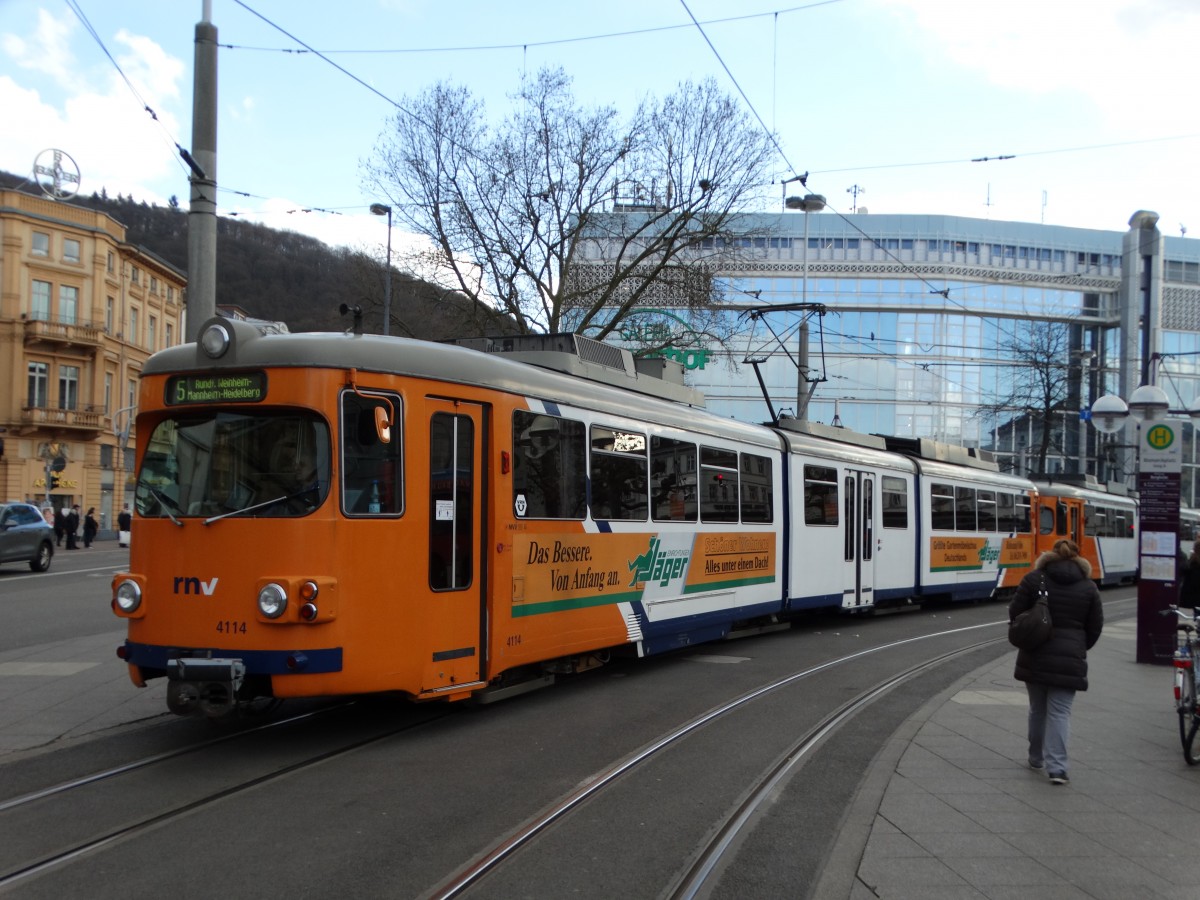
(1189, 721)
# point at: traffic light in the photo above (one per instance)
(54, 481)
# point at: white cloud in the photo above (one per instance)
(1119, 54)
(46, 51)
(155, 73)
(99, 122)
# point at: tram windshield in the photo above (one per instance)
(217, 465)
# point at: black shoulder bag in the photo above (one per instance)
(1032, 628)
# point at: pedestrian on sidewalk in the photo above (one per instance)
(90, 527)
(1056, 669)
(1189, 590)
(124, 523)
(73, 528)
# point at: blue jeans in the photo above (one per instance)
(1049, 726)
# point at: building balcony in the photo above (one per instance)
(86, 422)
(59, 335)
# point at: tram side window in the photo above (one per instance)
(895, 502)
(1122, 520)
(618, 474)
(1006, 512)
(987, 511)
(964, 509)
(820, 495)
(673, 479)
(1045, 520)
(756, 489)
(372, 471)
(549, 466)
(1024, 517)
(941, 507)
(718, 485)
(1095, 521)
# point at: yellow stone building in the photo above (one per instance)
(81, 309)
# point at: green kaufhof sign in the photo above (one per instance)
(688, 357)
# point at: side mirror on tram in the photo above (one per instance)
(383, 427)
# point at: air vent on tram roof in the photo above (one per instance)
(925, 448)
(583, 357)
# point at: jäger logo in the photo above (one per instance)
(657, 565)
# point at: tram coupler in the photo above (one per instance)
(210, 686)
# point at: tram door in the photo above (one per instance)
(456, 486)
(858, 539)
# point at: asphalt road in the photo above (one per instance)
(69, 600)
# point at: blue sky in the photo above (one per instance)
(1096, 100)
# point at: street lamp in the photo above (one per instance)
(808, 203)
(379, 209)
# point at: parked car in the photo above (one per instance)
(25, 536)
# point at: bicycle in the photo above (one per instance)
(1185, 662)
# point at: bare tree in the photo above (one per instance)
(1040, 387)
(522, 217)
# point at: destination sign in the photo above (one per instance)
(244, 387)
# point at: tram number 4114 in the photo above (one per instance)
(227, 627)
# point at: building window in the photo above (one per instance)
(68, 300)
(170, 336)
(39, 384)
(70, 250)
(170, 294)
(152, 333)
(131, 396)
(108, 389)
(134, 332)
(110, 307)
(135, 275)
(68, 387)
(153, 285)
(110, 262)
(39, 301)
(41, 244)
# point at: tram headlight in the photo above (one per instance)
(128, 596)
(272, 600)
(215, 340)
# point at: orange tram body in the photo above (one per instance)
(324, 514)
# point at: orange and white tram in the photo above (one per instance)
(322, 514)
(1103, 524)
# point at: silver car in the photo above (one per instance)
(25, 536)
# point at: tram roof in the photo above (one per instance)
(629, 392)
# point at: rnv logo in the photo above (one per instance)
(194, 585)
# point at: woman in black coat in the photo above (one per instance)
(90, 527)
(1055, 670)
(1189, 590)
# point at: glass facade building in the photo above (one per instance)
(994, 335)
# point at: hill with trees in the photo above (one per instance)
(293, 278)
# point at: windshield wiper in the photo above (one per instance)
(311, 489)
(163, 500)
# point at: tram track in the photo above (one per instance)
(144, 821)
(410, 797)
(711, 855)
(696, 875)
(113, 771)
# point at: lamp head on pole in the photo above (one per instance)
(807, 203)
(1109, 414)
(379, 209)
(1149, 404)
